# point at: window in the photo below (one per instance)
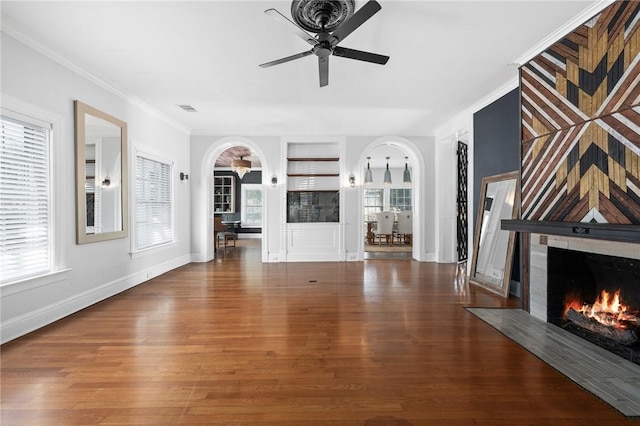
(25, 204)
(251, 205)
(400, 199)
(153, 202)
(313, 206)
(372, 203)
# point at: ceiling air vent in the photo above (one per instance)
(188, 108)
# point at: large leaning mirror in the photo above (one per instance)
(101, 175)
(493, 247)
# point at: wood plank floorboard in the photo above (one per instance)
(237, 342)
(612, 378)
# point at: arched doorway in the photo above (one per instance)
(400, 148)
(207, 204)
(237, 197)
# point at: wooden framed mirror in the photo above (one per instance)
(101, 175)
(493, 247)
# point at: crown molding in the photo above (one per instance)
(453, 125)
(588, 13)
(9, 28)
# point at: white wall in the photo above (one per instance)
(205, 149)
(459, 128)
(447, 136)
(421, 153)
(39, 80)
(97, 270)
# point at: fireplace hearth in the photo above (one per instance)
(596, 297)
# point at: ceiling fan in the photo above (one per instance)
(332, 21)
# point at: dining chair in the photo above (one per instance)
(405, 226)
(218, 229)
(384, 227)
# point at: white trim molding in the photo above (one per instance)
(9, 28)
(588, 13)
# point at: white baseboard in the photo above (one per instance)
(353, 257)
(429, 257)
(199, 258)
(249, 236)
(274, 257)
(30, 321)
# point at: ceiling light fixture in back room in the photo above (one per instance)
(332, 21)
(241, 167)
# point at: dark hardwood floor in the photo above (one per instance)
(238, 342)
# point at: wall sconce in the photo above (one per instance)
(106, 182)
(184, 176)
(352, 180)
(274, 180)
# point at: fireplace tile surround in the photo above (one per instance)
(539, 244)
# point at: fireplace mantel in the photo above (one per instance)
(598, 231)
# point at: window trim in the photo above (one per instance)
(243, 204)
(365, 206)
(154, 156)
(16, 108)
(391, 207)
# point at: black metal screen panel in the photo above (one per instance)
(462, 204)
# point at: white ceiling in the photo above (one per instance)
(445, 56)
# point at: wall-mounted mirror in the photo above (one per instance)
(101, 175)
(493, 247)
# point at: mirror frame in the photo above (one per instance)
(80, 110)
(502, 290)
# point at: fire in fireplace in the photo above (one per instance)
(607, 317)
(596, 297)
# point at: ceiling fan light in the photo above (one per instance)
(241, 167)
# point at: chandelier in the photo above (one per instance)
(241, 167)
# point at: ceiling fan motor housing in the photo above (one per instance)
(319, 16)
(332, 21)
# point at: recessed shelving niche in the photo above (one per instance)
(313, 182)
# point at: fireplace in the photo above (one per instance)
(597, 297)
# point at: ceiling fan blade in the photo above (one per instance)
(357, 19)
(287, 59)
(360, 55)
(291, 25)
(323, 66)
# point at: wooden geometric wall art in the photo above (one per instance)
(580, 112)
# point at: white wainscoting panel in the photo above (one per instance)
(312, 242)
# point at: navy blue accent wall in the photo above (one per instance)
(496, 149)
(496, 140)
(254, 176)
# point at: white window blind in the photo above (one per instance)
(153, 203)
(25, 248)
